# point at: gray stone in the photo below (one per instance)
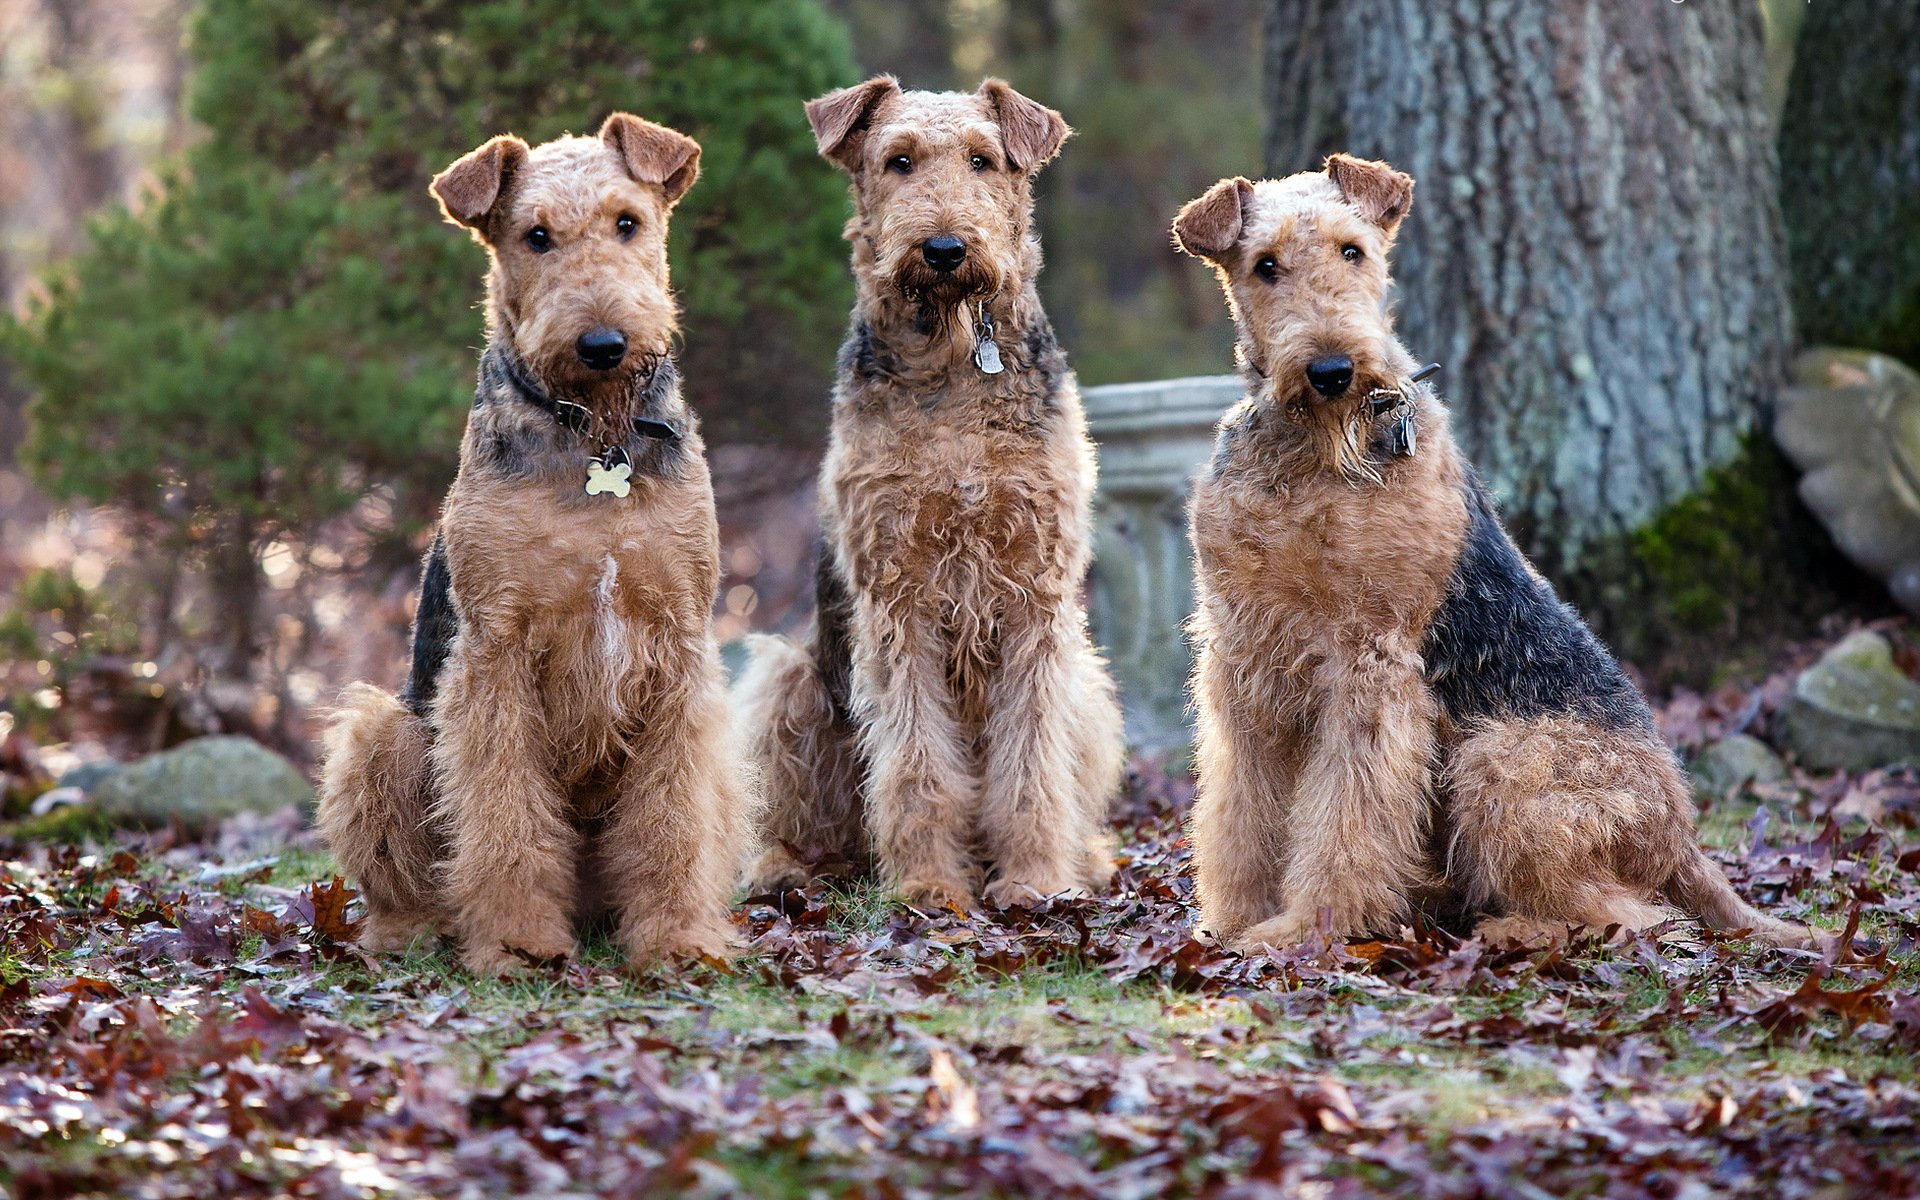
(1851, 421)
(201, 783)
(734, 658)
(1854, 709)
(1733, 762)
(89, 775)
(1152, 438)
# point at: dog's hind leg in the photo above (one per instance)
(1100, 733)
(809, 765)
(375, 804)
(1560, 822)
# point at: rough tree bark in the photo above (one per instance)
(1596, 256)
(1850, 175)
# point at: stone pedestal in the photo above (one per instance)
(1152, 438)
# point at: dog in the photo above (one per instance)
(950, 706)
(1396, 713)
(561, 751)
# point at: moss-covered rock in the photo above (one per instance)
(1854, 709)
(1733, 762)
(200, 783)
(1715, 578)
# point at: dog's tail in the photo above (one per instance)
(376, 787)
(1701, 889)
(802, 743)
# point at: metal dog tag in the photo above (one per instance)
(1405, 442)
(986, 351)
(605, 480)
(986, 356)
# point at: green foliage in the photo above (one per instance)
(1163, 98)
(286, 322)
(51, 631)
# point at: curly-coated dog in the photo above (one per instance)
(561, 750)
(951, 710)
(1395, 710)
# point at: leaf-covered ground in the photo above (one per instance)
(183, 1020)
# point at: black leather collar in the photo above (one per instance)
(502, 366)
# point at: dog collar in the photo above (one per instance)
(610, 471)
(1402, 436)
(509, 369)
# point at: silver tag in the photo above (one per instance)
(986, 355)
(605, 480)
(1405, 442)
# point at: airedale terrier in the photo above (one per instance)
(1396, 712)
(950, 707)
(561, 750)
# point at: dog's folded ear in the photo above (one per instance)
(838, 117)
(1033, 133)
(1381, 193)
(1210, 226)
(473, 187)
(653, 153)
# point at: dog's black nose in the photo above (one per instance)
(944, 252)
(601, 349)
(1330, 374)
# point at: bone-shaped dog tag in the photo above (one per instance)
(611, 480)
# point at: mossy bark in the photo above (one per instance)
(1595, 253)
(1704, 588)
(1850, 175)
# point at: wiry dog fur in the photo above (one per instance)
(1395, 711)
(950, 707)
(561, 749)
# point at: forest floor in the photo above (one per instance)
(180, 1021)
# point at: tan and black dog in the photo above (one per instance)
(561, 749)
(951, 710)
(1394, 707)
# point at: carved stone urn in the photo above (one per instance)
(1152, 438)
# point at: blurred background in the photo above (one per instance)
(1669, 253)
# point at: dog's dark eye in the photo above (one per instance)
(539, 240)
(900, 164)
(626, 225)
(1350, 253)
(978, 162)
(1267, 269)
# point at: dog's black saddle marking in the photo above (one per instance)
(435, 623)
(1504, 645)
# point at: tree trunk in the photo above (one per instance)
(233, 575)
(1595, 254)
(1850, 175)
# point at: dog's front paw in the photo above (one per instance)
(1520, 933)
(650, 947)
(1098, 869)
(385, 933)
(1276, 933)
(936, 893)
(1004, 893)
(775, 870)
(494, 959)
